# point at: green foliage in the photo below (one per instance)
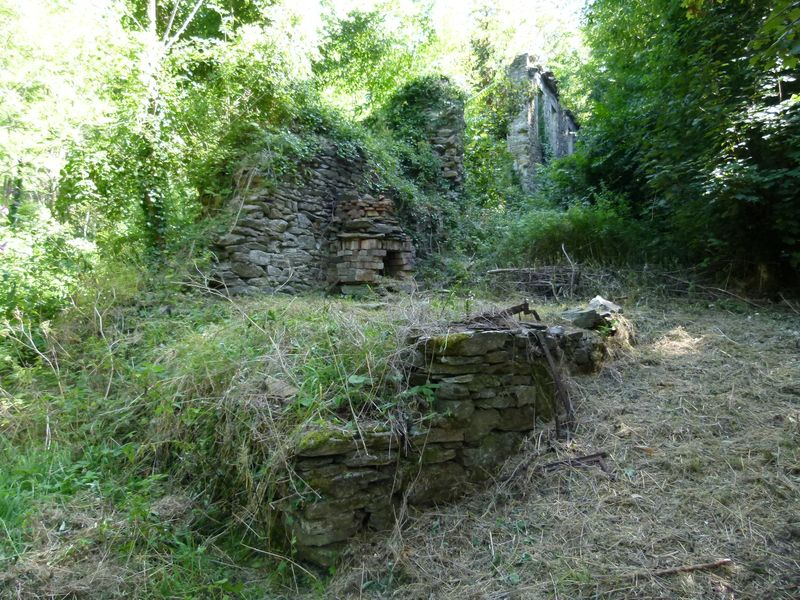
(406, 115)
(405, 112)
(142, 180)
(212, 19)
(693, 122)
(598, 231)
(777, 44)
(52, 70)
(491, 181)
(182, 123)
(40, 262)
(367, 57)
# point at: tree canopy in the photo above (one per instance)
(123, 121)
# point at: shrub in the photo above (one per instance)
(602, 231)
(41, 263)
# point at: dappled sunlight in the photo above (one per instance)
(678, 342)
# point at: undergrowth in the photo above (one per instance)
(147, 429)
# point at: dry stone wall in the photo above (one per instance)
(490, 386)
(445, 129)
(280, 237)
(326, 231)
(323, 233)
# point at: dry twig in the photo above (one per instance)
(690, 568)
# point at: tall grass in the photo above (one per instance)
(142, 392)
(598, 233)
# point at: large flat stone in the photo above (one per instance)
(421, 436)
(334, 528)
(247, 270)
(430, 484)
(460, 410)
(480, 423)
(517, 419)
(465, 343)
(494, 449)
(349, 482)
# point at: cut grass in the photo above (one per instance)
(133, 469)
(702, 423)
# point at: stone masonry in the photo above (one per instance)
(489, 387)
(307, 235)
(542, 129)
(445, 129)
(368, 243)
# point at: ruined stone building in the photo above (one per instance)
(329, 229)
(322, 233)
(542, 129)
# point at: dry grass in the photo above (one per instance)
(701, 420)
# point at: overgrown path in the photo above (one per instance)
(701, 420)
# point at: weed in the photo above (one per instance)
(120, 405)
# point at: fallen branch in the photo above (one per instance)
(543, 280)
(562, 394)
(789, 304)
(517, 309)
(690, 568)
(588, 460)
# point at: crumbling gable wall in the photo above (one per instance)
(430, 111)
(279, 240)
(326, 231)
(542, 129)
(445, 127)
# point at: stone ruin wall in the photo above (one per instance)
(290, 239)
(445, 131)
(490, 387)
(324, 232)
(367, 243)
(542, 129)
(280, 237)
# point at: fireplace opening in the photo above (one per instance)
(392, 264)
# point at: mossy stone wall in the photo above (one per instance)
(489, 389)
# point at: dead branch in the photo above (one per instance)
(545, 280)
(588, 460)
(789, 304)
(517, 309)
(690, 568)
(562, 394)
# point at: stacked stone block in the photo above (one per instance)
(489, 386)
(445, 129)
(368, 242)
